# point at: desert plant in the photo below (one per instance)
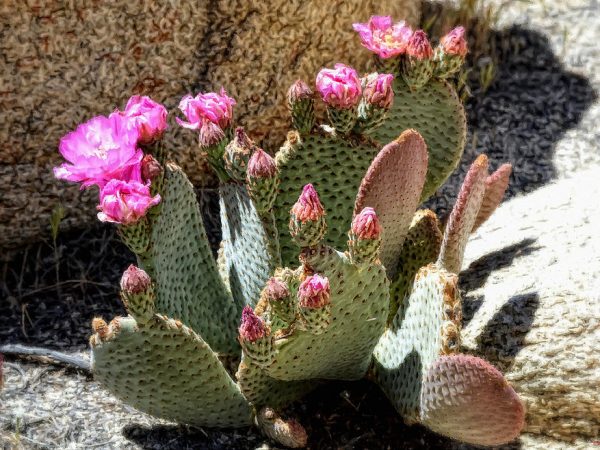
(375, 294)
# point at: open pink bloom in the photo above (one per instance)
(125, 202)
(454, 43)
(419, 46)
(147, 116)
(383, 37)
(252, 327)
(216, 108)
(99, 150)
(314, 292)
(366, 224)
(339, 87)
(377, 90)
(308, 207)
(261, 165)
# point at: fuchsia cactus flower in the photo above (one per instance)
(261, 165)
(100, 150)
(378, 90)
(125, 202)
(419, 46)
(383, 37)
(147, 116)
(308, 207)
(366, 224)
(212, 107)
(252, 327)
(314, 292)
(454, 43)
(339, 87)
(135, 280)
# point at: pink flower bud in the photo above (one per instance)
(261, 165)
(212, 107)
(276, 289)
(125, 202)
(378, 90)
(210, 134)
(151, 168)
(419, 46)
(299, 91)
(366, 224)
(339, 87)
(383, 37)
(135, 280)
(99, 150)
(252, 327)
(314, 292)
(147, 116)
(454, 43)
(308, 207)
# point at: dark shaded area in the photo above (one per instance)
(529, 106)
(504, 335)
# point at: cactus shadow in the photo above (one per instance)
(532, 102)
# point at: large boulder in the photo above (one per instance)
(64, 62)
(532, 306)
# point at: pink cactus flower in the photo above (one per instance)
(366, 224)
(135, 280)
(147, 116)
(276, 289)
(151, 168)
(125, 202)
(377, 90)
(261, 165)
(419, 46)
(308, 207)
(252, 327)
(454, 43)
(100, 150)
(212, 107)
(339, 87)
(383, 37)
(314, 292)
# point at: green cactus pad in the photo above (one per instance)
(359, 308)
(392, 186)
(164, 369)
(436, 112)
(188, 285)
(466, 398)
(425, 327)
(246, 260)
(261, 390)
(463, 216)
(421, 247)
(335, 167)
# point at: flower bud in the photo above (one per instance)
(366, 224)
(135, 280)
(261, 165)
(210, 134)
(339, 87)
(378, 90)
(237, 154)
(301, 105)
(151, 168)
(418, 46)
(252, 328)
(454, 43)
(276, 289)
(308, 207)
(299, 91)
(314, 292)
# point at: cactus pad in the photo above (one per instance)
(495, 187)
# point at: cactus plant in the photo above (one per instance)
(375, 294)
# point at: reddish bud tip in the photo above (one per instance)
(252, 327)
(454, 43)
(299, 91)
(308, 207)
(135, 280)
(151, 168)
(210, 134)
(314, 292)
(419, 46)
(261, 165)
(276, 289)
(366, 224)
(378, 90)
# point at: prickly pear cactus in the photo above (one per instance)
(327, 269)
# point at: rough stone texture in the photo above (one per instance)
(64, 62)
(532, 303)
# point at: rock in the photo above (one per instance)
(532, 306)
(64, 63)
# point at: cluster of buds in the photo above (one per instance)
(255, 338)
(263, 180)
(365, 237)
(137, 293)
(307, 218)
(301, 105)
(314, 303)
